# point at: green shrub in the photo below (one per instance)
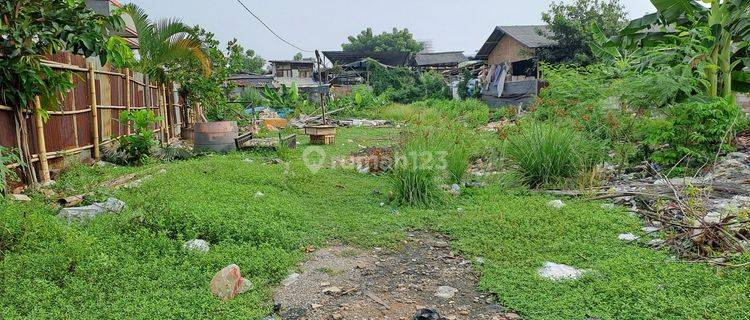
(546, 155)
(172, 153)
(694, 130)
(402, 85)
(138, 145)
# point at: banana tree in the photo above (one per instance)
(726, 45)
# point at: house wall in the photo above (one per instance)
(509, 50)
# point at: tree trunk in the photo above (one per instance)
(27, 172)
(712, 72)
(725, 64)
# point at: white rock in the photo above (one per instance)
(86, 213)
(713, 217)
(259, 194)
(363, 168)
(649, 230)
(656, 242)
(292, 278)
(20, 197)
(245, 286)
(557, 272)
(248, 160)
(446, 292)
(627, 237)
(557, 204)
(199, 245)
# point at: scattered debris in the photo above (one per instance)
(228, 283)
(364, 123)
(446, 292)
(86, 213)
(371, 160)
(259, 194)
(557, 272)
(369, 289)
(332, 291)
(703, 216)
(498, 126)
(199, 245)
(557, 204)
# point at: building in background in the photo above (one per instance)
(511, 73)
(106, 7)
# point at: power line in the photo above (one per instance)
(269, 28)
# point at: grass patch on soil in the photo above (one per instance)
(132, 265)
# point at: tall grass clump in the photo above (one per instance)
(547, 155)
(417, 169)
(458, 152)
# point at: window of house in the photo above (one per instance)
(284, 71)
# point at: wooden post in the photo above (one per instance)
(166, 111)
(127, 98)
(94, 112)
(161, 124)
(41, 147)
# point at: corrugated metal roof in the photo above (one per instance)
(439, 58)
(390, 58)
(527, 35)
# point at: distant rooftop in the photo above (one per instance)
(305, 61)
(527, 35)
(440, 58)
(389, 58)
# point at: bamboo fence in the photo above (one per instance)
(88, 116)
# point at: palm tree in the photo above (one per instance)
(163, 43)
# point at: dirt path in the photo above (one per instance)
(343, 282)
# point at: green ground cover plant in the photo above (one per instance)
(133, 264)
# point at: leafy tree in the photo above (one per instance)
(199, 87)
(397, 40)
(568, 25)
(243, 61)
(33, 28)
(298, 56)
(163, 43)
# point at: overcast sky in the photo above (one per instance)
(451, 25)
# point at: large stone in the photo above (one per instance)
(228, 283)
(557, 204)
(558, 272)
(20, 198)
(292, 278)
(199, 245)
(627, 237)
(446, 292)
(86, 213)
